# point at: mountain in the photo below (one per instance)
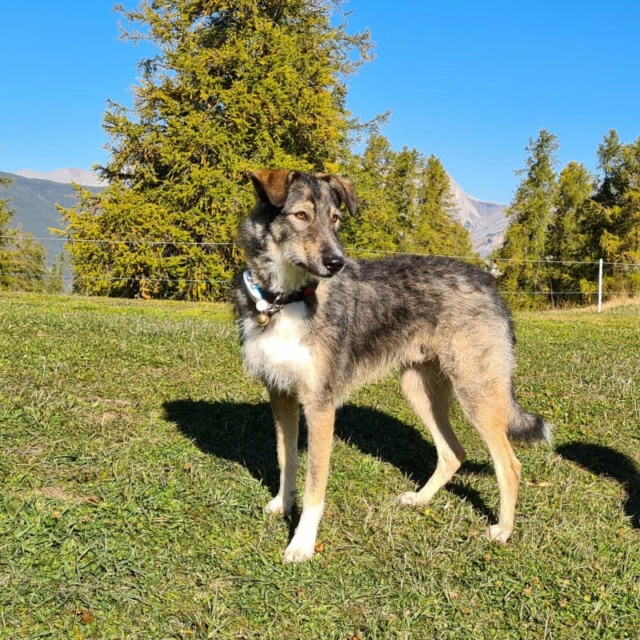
(65, 176)
(33, 202)
(34, 195)
(486, 221)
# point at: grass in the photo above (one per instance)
(135, 458)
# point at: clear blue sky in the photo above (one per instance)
(468, 81)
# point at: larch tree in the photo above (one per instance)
(373, 227)
(405, 204)
(437, 230)
(6, 260)
(234, 86)
(22, 258)
(566, 238)
(613, 222)
(530, 214)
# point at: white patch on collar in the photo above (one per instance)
(276, 353)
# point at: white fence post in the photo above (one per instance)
(600, 286)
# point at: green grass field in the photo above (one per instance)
(136, 457)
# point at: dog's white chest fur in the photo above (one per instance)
(277, 353)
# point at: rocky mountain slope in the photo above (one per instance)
(486, 221)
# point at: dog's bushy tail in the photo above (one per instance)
(528, 427)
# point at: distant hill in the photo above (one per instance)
(65, 176)
(34, 196)
(33, 202)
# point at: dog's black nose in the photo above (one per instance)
(333, 263)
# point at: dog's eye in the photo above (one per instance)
(301, 215)
(335, 218)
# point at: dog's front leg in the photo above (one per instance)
(285, 416)
(320, 419)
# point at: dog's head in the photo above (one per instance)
(300, 215)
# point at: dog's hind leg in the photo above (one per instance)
(285, 416)
(429, 393)
(320, 421)
(488, 410)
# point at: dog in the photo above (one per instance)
(315, 325)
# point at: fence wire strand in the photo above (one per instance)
(489, 262)
(206, 243)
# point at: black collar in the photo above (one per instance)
(280, 299)
(268, 302)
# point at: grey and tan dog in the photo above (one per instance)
(315, 325)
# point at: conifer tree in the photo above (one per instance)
(22, 258)
(6, 261)
(566, 238)
(437, 231)
(405, 204)
(234, 86)
(373, 228)
(530, 214)
(405, 181)
(612, 223)
(28, 262)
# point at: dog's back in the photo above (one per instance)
(407, 310)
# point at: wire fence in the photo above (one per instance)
(143, 241)
(493, 265)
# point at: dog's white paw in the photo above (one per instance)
(277, 506)
(298, 551)
(498, 534)
(410, 499)
(303, 544)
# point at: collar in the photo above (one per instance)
(268, 303)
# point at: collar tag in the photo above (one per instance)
(262, 306)
(252, 288)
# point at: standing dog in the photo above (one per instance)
(315, 325)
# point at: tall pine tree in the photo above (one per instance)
(373, 228)
(612, 223)
(566, 238)
(234, 86)
(530, 214)
(405, 204)
(437, 231)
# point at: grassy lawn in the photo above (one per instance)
(136, 457)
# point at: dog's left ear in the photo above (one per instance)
(343, 188)
(272, 185)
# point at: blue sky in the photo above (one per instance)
(468, 81)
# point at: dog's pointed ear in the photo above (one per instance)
(272, 185)
(343, 188)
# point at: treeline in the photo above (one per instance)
(23, 264)
(246, 86)
(239, 86)
(405, 203)
(569, 221)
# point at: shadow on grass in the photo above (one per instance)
(238, 432)
(607, 462)
(244, 433)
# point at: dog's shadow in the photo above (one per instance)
(244, 433)
(607, 462)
